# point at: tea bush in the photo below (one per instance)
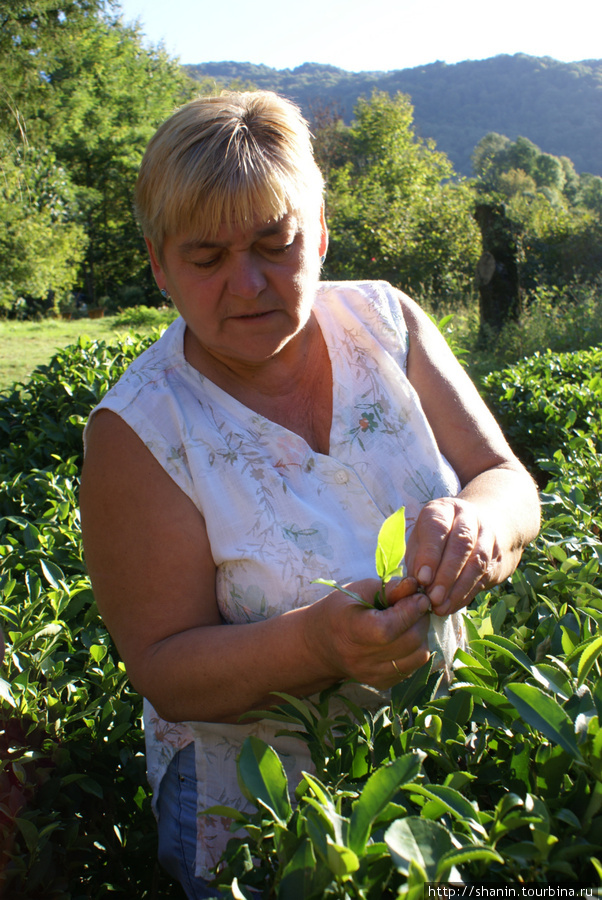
(75, 818)
(542, 400)
(497, 780)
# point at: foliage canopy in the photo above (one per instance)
(392, 211)
(82, 92)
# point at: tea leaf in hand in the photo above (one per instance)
(391, 546)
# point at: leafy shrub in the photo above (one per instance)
(75, 817)
(144, 316)
(499, 778)
(542, 400)
(560, 319)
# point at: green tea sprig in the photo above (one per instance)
(390, 551)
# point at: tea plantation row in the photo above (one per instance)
(498, 780)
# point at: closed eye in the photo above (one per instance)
(206, 263)
(279, 250)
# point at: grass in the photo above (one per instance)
(26, 345)
(559, 319)
(568, 318)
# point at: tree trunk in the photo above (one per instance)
(497, 270)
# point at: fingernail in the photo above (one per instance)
(425, 576)
(437, 594)
(424, 604)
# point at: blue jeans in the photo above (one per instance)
(178, 824)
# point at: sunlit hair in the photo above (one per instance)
(231, 160)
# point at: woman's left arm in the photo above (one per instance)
(460, 545)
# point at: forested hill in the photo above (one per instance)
(556, 105)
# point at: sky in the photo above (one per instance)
(367, 35)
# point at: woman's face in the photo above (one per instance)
(244, 294)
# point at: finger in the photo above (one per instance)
(406, 665)
(477, 574)
(465, 558)
(409, 652)
(427, 541)
(398, 588)
(376, 630)
(406, 613)
(459, 554)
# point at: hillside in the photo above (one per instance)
(556, 105)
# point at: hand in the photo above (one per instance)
(453, 553)
(361, 643)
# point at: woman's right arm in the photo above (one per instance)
(150, 563)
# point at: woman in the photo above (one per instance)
(257, 447)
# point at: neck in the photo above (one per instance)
(278, 375)
(293, 389)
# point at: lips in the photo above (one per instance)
(254, 315)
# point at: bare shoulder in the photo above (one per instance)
(467, 433)
(423, 333)
(145, 543)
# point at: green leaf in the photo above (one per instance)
(29, 832)
(545, 714)
(339, 587)
(319, 790)
(305, 714)
(226, 812)
(341, 860)
(391, 545)
(52, 574)
(302, 878)
(487, 696)
(588, 658)
(421, 841)
(98, 652)
(451, 801)
(406, 692)
(262, 778)
(87, 784)
(553, 679)
(378, 791)
(468, 854)
(6, 693)
(503, 645)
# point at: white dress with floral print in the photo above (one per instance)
(278, 514)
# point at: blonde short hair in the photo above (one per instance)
(227, 160)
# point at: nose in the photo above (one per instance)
(246, 278)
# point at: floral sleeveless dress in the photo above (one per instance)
(280, 515)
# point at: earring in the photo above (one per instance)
(164, 294)
(322, 260)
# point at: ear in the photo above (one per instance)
(155, 264)
(323, 232)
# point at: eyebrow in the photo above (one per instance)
(268, 231)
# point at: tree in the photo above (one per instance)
(522, 154)
(497, 270)
(41, 242)
(107, 94)
(555, 213)
(78, 84)
(549, 172)
(590, 192)
(31, 33)
(488, 158)
(394, 210)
